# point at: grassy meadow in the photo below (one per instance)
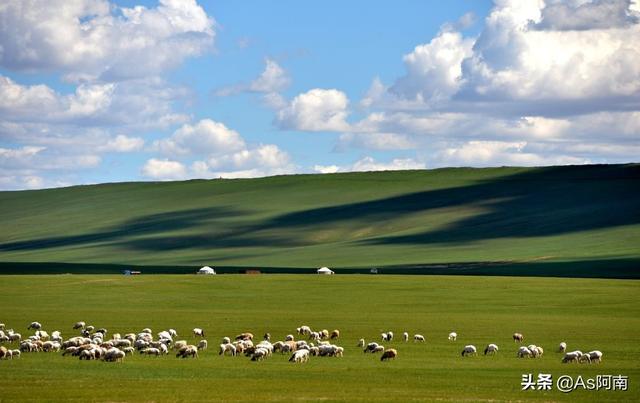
(569, 221)
(586, 313)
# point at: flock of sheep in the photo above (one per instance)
(93, 344)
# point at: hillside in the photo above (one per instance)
(555, 218)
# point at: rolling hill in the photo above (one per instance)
(574, 220)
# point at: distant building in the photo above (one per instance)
(325, 270)
(206, 270)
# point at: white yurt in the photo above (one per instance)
(206, 270)
(325, 270)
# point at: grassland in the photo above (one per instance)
(571, 221)
(586, 313)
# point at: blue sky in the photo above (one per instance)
(98, 91)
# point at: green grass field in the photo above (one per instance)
(586, 313)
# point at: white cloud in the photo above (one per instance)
(586, 15)
(123, 144)
(326, 169)
(495, 153)
(375, 141)
(164, 169)
(273, 79)
(316, 110)
(434, 70)
(88, 39)
(368, 163)
(206, 137)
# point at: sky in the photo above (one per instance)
(95, 91)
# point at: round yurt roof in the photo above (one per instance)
(206, 269)
(325, 270)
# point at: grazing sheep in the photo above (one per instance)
(418, 337)
(304, 329)
(35, 326)
(491, 349)
(186, 351)
(267, 337)
(128, 350)
(56, 336)
(198, 332)
(114, 355)
(300, 356)
(226, 340)
(378, 349)
(360, 343)
(289, 337)
(202, 345)
(15, 354)
(524, 352)
(389, 354)
(388, 336)
(230, 348)
(3, 352)
(595, 355)
(453, 336)
(562, 347)
(405, 337)
(518, 337)
(259, 354)
(584, 358)
(179, 344)
(79, 325)
(371, 347)
(244, 336)
(14, 337)
(469, 350)
(151, 351)
(334, 334)
(315, 336)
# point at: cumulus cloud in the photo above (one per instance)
(586, 15)
(374, 141)
(123, 144)
(368, 163)
(273, 80)
(90, 39)
(164, 169)
(316, 110)
(203, 138)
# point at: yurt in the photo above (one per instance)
(325, 270)
(206, 270)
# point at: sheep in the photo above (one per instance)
(300, 356)
(128, 350)
(289, 337)
(371, 347)
(418, 337)
(304, 329)
(202, 345)
(539, 351)
(334, 334)
(179, 344)
(562, 347)
(42, 335)
(230, 348)
(259, 354)
(405, 337)
(267, 337)
(122, 343)
(584, 358)
(173, 333)
(595, 355)
(453, 336)
(165, 335)
(518, 337)
(14, 337)
(491, 349)
(51, 346)
(146, 330)
(87, 355)
(15, 354)
(151, 351)
(186, 351)
(300, 345)
(56, 336)
(378, 349)
(388, 336)
(327, 350)
(360, 343)
(524, 352)
(572, 356)
(389, 354)
(469, 350)
(35, 326)
(226, 340)
(163, 349)
(79, 325)
(244, 336)
(198, 332)
(114, 355)
(315, 336)
(2, 326)
(3, 352)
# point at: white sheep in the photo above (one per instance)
(202, 345)
(389, 354)
(453, 336)
(289, 337)
(304, 329)
(300, 356)
(151, 351)
(491, 349)
(469, 350)
(226, 340)
(562, 347)
(15, 354)
(79, 325)
(388, 336)
(524, 352)
(198, 332)
(405, 337)
(360, 343)
(228, 348)
(371, 347)
(572, 356)
(418, 337)
(259, 354)
(595, 355)
(518, 337)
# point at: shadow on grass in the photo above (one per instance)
(538, 202)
